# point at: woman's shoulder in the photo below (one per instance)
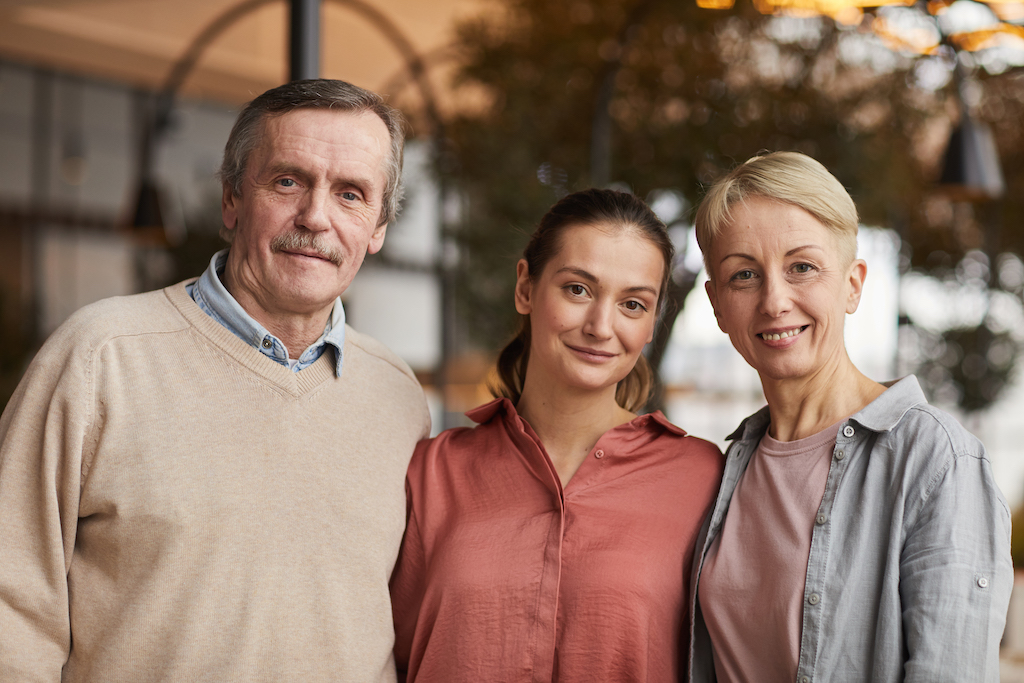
(456, 442)
(681, 443)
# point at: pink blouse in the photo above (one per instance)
(505, 576)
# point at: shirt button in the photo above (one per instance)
(599, 454)
(821, 519)
(805, 679)
(983, 582)
(267, 343)
(847, 431)
(814, 599)
(840, 454)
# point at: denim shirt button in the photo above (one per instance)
(840, 454)
(814, 599)
(267, 343)
(821, 519)
(847, 431)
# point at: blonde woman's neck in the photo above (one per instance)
(803, 407)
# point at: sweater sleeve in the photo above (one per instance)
(43, 432)
(956, 560)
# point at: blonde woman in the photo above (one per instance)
(858, 534)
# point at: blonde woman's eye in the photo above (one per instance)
(803, 268)
(743, 275)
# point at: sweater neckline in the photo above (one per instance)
(294, 383)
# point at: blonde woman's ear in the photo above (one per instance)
(858, 273)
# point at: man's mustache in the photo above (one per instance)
(299, 240)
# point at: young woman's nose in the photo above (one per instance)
(599, 320)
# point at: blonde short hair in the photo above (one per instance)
(788, 177)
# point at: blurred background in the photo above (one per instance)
(114, 113)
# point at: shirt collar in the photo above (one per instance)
(881, 415)
(886, 411)
(487, 411)
(213, 297)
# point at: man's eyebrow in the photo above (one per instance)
(585, 275)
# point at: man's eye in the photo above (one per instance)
(349, 196)
(286, 182)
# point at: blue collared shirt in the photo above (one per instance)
(214, 299)
(909, 572)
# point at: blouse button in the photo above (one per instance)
(266, 342)
(847, 431)
(983, 582)
(814, 598)
(821, 519)
(805, 679)
(599, 454)
(840, 454)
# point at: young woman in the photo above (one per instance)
(553, 541)
(858, 535)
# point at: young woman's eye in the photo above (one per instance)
(577, 290)
(635, 306)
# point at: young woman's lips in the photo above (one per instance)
(781, 337)
(592, 354)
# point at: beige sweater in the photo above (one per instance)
(174, 506)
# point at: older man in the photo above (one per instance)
(205, 483)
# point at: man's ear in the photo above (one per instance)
(229, 207)
(858, 273)
(709, 287)
(377, 239)
(524, 288)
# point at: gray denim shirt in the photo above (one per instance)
(909, 573)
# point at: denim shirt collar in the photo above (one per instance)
(214, 299)
(881, 415)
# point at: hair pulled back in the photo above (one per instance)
(596, 208)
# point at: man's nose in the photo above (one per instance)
(314, 210)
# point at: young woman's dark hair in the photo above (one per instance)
(601, 209)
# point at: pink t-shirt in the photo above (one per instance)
(752, 585)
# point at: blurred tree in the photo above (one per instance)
(692, 92)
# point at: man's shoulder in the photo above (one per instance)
(146, 313)
(382, 358)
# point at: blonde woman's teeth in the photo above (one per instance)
(781, 335)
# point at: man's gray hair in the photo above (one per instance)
(318, 93)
